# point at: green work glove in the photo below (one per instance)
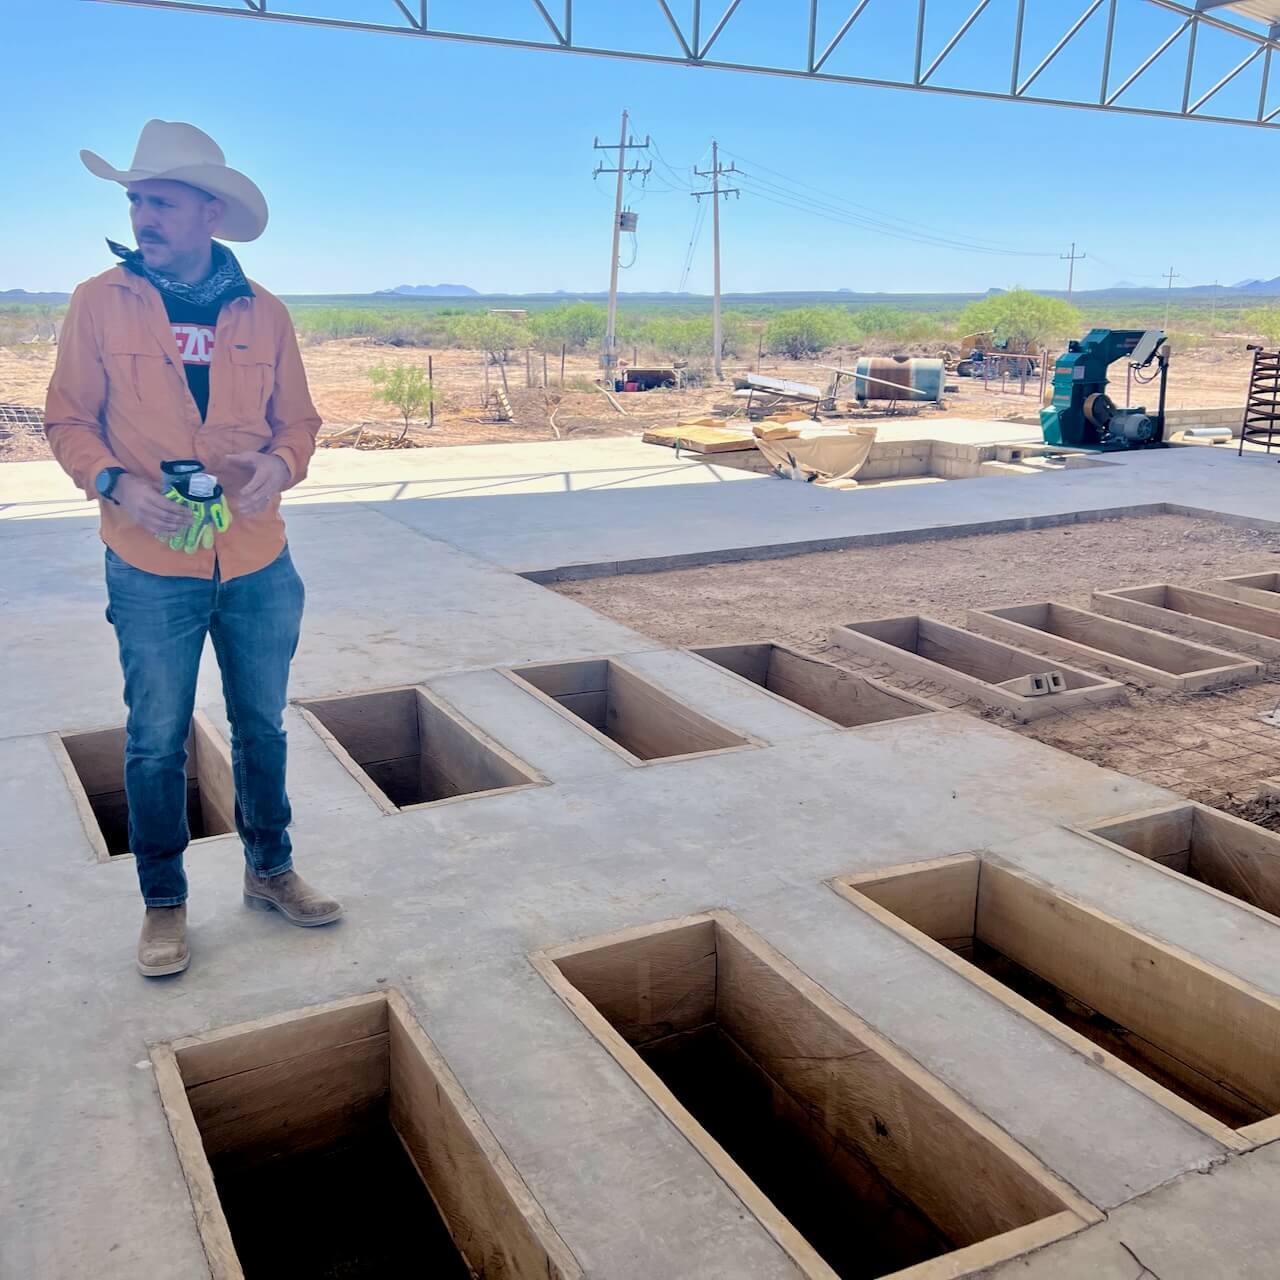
(200, 531)
(217, 510)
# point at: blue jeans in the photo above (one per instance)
(161, 624)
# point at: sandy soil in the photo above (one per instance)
(338, 373)
(1207, 746)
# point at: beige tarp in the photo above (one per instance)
(830, 458)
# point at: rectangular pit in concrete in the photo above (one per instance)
(93, 765)
(625, 711)
(972, 665)
(1197, 615)
(336, 1141)
(855, 1158)
(1262, 589)
(840, 697)
(408, 748)
(1234, 857)
(1208, 1040)
(1089, 637)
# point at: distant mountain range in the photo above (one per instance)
(1259, 286)
(21, 295)
(432, 291)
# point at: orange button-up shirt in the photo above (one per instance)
(119, 398)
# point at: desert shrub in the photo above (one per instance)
(806, 331)
(1022, 318)
(1265, 323)
(495, 334)
(576, 324)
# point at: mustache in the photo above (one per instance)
(151, 237)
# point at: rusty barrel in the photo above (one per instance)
(898, 378)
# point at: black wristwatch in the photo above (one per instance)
(105, 482)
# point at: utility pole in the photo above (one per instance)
(1073, 257)
(1213, 311)
(609, 355)
(715, 173)
(1172, 275)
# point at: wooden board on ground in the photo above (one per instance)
(1152, 656)
(1196, 615)
(695, 438)
(1262, 589)
(972, 665)
(830, 693)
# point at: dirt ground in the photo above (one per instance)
(338, 373)
(1207, 746)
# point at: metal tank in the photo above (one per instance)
(898, 378)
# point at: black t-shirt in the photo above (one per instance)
(193, 330)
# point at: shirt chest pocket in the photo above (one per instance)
(251, 369)
(139, 372)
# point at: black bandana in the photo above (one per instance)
(225, 282)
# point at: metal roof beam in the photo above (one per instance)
(812, 64)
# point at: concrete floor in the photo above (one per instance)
(412, 562)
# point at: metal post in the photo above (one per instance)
(431, 386)
(563, 347)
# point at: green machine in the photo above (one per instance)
(1081, 415)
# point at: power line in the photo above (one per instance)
(1073, 257)
(699, 217)
(887, 223)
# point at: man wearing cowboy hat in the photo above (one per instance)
(174, 358)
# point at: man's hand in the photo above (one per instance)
(150, 508)
(268, 475)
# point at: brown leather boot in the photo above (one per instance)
(290, 895)
(162, 945)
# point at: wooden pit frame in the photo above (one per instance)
(442, 1116)
(1097, 633)
(1096, 690)
(900, 695)
(1219, 620)
(963, 867)
(1262, 589)
(460, 722)
(966, 1261)
(645, 691)
(213, 767)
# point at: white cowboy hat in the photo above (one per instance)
(182, 153)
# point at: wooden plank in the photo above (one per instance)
(592, 707)
(1261, 589)
(213, 771)
(653, 985)
(960, 963)
(750, 661)
(279, 1038)
(302, 1104)
(809, 1263)
(494, 1220)
(555, 679)
(459, 758)
(88, 819)
(1237, 858)
(1004, 1171)
(1162, 835)
(832, 694)
(1154, 657)
(939, 896)
(348, 762)
(653, 725)
(211, 1222)
(1213, 1022)
(966, 1175)
(1196, 615)
(970, 665)
(371, 726)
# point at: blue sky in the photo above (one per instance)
(388, 160)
